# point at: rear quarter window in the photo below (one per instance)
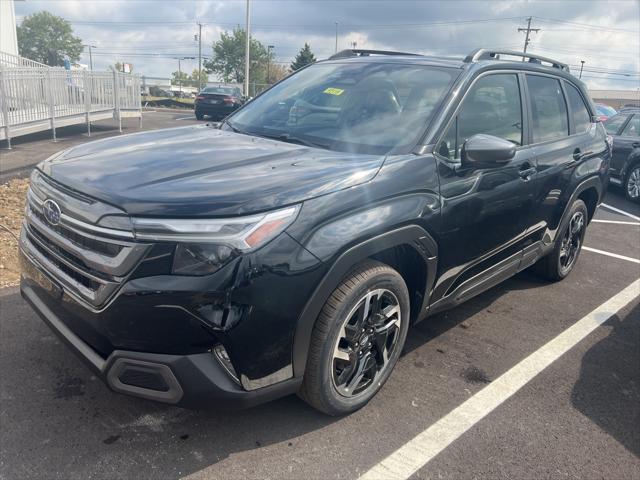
(579, 111)
(548, 109)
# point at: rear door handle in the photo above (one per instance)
(526, 171)
(578, 155)
(635, 144)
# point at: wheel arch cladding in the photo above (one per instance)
(387, 246)
(590, 198)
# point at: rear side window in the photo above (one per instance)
(579, 112)
(492, 107)
(548, 109)
(633, 127)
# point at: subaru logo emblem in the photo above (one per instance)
(51, 212)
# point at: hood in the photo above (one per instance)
(202, 171)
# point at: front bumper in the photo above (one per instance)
(193, 381)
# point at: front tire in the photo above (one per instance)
(560, 262)
(199, 115)
(631, 184)
(357, 339)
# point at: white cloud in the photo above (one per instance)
(406, 25)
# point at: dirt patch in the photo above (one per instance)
(12, 197)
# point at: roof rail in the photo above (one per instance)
(365, 53)
(488, 54)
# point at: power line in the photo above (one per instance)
(586, 25)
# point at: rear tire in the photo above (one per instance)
(357, 339)
(631, 184)
(560, 262)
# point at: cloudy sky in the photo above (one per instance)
(148, 33)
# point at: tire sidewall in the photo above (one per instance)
(578, 206)
(387, 280)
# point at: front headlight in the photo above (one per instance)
(204, 245)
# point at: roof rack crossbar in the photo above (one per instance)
(488, 54)
(365, 53)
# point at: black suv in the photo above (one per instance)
(289, 249)
(624, 129)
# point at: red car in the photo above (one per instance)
(604, 111)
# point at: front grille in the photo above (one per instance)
(90, 262)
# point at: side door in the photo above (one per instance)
(625, 144)
(614, 127)
(558, 151)
(485, 211)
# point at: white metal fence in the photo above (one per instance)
(43, 98)
(10, 60)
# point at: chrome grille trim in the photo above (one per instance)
(89, 262)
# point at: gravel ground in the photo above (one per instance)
(12, 195)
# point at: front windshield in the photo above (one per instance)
(613, 124)
(355, 107)
(605, 110)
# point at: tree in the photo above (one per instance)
(193, 79)
(119, 67)
(304, 57)
(228, 58)
(47, 39)
(277, 72)
(179, 78)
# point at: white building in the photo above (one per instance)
(8, 37)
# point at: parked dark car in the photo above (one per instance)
(604, 111)
(217, 102)
(624, 129)
(289, 249)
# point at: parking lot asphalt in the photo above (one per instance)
(577, 419)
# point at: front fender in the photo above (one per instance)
(412, 235)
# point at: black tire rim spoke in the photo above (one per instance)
(572, 241)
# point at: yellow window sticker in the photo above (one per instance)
(333, 91)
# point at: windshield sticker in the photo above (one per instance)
(333, 91)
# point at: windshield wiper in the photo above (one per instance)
(233, 129)
(286, 137)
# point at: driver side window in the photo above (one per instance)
(492, 107)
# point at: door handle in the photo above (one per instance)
(526, 171)
(635, 144)
(578, 155)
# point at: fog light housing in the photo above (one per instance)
(223, 358)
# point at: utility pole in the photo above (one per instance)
(199, 56)
(336, 37)
(246, 51)
(90, 56)
(528, 30)
(180, 70)
(269, 48)
(581, 67)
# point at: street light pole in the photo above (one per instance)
(246, 50)
(269, 48)
(581, 67)
(90, 56)
(199, 57)
(336, 37)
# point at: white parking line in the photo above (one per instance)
(617, 222)
(412, 456)
(614, 209)
(609, 254)
(190, 117)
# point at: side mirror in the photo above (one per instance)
(486, 151)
